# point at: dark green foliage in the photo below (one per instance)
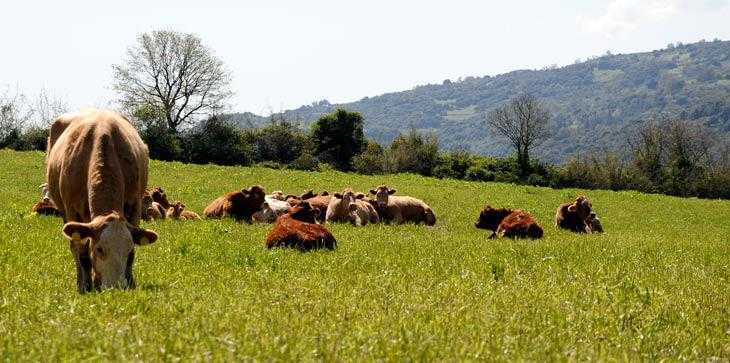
(413, 153)
(35, 138)
(218, 142)
(338, 137)
(453, 165)
(279, 141)
(371, 160)
(162, 143)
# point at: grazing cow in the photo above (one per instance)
(151, 210)
(238, 205)
(297, 229)
(509, 223)
(348, 206)
(270, 210)
(97, 172)
(46, 205)
(401, 209)
(594, 224)
(178, 211)
(574, 216)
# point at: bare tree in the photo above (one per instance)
(175, 73)
(47, 107)
(15, 113)
(524, 123)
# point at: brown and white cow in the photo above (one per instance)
(574, 216)
(271, 209)
(297, 229)
(239, 205)
(401, 209)
(349, 206)
(159, 196)
(319, 203)
(594, 224)
(509, 223)
(177, 211)
(97, 171)
(151, 210)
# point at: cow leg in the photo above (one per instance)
(83, 265)
(129, 275)
(493, 236)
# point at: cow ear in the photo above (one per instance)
(571, 208)
(324, 193)
(142, 236)
(373, 192)
(338, 195)
(77, 231)
(359, 196)
(391, 191)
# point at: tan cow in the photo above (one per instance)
(177, 211)
(348, 206)
(97, 172)
(401, 209)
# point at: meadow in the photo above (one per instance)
(654, 286)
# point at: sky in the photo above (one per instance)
(284, 54)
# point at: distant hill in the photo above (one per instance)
(595, 104)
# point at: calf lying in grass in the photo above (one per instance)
(298, 229)
(178, 211)
(509, 223)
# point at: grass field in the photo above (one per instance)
(656, 285)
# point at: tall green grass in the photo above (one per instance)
(655, 285)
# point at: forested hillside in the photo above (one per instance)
(595, 104)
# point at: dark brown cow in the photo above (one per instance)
(319, 203)
(574, 216)
(297, 229)
(159, 196)
(594, 224)
(509, 223)
(96, 172)
(238, 205)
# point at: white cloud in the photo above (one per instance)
(622, 17)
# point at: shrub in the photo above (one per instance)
(413, 153)
(305, 161)
(162, 143)
(479, 173)
(371, 160)
(35, 138)
(453, 165)
(280, 141)
(218, 142)
(338, 137)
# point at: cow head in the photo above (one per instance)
(581, 207)
(304, 212)
(108, 241)
(256, 195)
(158, 195)
(490, 218)
(308, 194)
(381, 195)
(265, 215)
(177, 209)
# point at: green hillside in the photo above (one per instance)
(654, 286)
(595, 104)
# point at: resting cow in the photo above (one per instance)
(46, 205)
(177, 211)
(509, 223)
(271, 209)
(297, 229)
(97, 172)
(151, 210)
(348, 206)
(238, 205)
(319, 203)
(594, 224)
(401, 209)
(574, 216)
(159, 196)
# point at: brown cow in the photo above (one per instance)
(297, 229)
(594, 224)
(238, 205)
(318, 203)
(178, 211)
(97, 172)
(46, 205)
(151, 210)
(574, 216)
(509, 223)
(348, 206)
(159, 196)
(401, 209)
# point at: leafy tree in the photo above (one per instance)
(414, 153)
(215, 141)
(371, 160)
(173, 72)
(338, 137)
(524, 123)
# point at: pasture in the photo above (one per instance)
(655, 285)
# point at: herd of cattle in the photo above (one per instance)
(97, 168)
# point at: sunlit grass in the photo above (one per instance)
(654, 286)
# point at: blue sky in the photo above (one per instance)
(283, 54)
